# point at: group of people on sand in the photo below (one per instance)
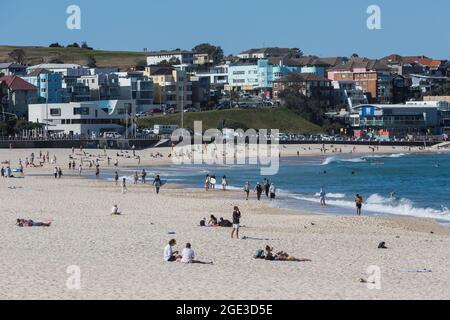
(268, 188)
(157, 182)
(213, 222)
(269, 255)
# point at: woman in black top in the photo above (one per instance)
(236, 222)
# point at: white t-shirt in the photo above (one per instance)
(188, 255)
(114, 210)
(168, 252)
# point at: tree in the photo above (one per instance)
(55, 45)
(171, 62)
(355, 55)
(92, 62)
(18, 56)
(73, 45)
(294, 99)
(295, 53)
(84, 45)
(215, 53)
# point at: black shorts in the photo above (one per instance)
(172, 259)
(359, 206)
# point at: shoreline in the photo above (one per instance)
(121, 257)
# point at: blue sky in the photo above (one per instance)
(320, 27)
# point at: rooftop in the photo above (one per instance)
(16, 83)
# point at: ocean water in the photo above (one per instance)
(421, 183)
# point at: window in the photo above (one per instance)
(83, 111)
(55, 112)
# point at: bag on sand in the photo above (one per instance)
(259, 254)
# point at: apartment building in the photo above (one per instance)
(172, 86)
(48, 85)
(84, 118)
(179, 56)
(371, 76)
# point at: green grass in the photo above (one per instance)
(280, 118)
(37, 55)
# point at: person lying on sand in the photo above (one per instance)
(280, 256)
(31, 223)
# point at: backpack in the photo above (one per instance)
(259, 254)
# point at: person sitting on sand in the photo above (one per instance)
(213, 221)
(115, 211)
(188, 256)
(31, 223)
(169, 254)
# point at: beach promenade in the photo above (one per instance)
(121, 257)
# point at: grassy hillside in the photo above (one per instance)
(280, 118)
(37, 55)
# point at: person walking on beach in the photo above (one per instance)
(358, 202)
(272, 192)
(59, 173)
(207, 182)
(322, 196)
(143, 176)
(124, 185)
(236, 222)
(97, 171)
(116, 178)
(55, 172)
(224, 183)
(247, 189)
(136, 177)
(157, 183)
(266, 187)
(259, 191)
(80, 169)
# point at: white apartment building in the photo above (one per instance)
(185, 57)
(84, 118)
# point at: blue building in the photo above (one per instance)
(48, 84)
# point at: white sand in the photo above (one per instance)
(121, 257)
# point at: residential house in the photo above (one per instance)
(17, 96)
(11, 69)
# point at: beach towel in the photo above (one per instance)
(258, 239)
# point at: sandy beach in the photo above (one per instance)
(121, 257)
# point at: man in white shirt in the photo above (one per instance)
(115, 211)
(188, 254)
(169, 254)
